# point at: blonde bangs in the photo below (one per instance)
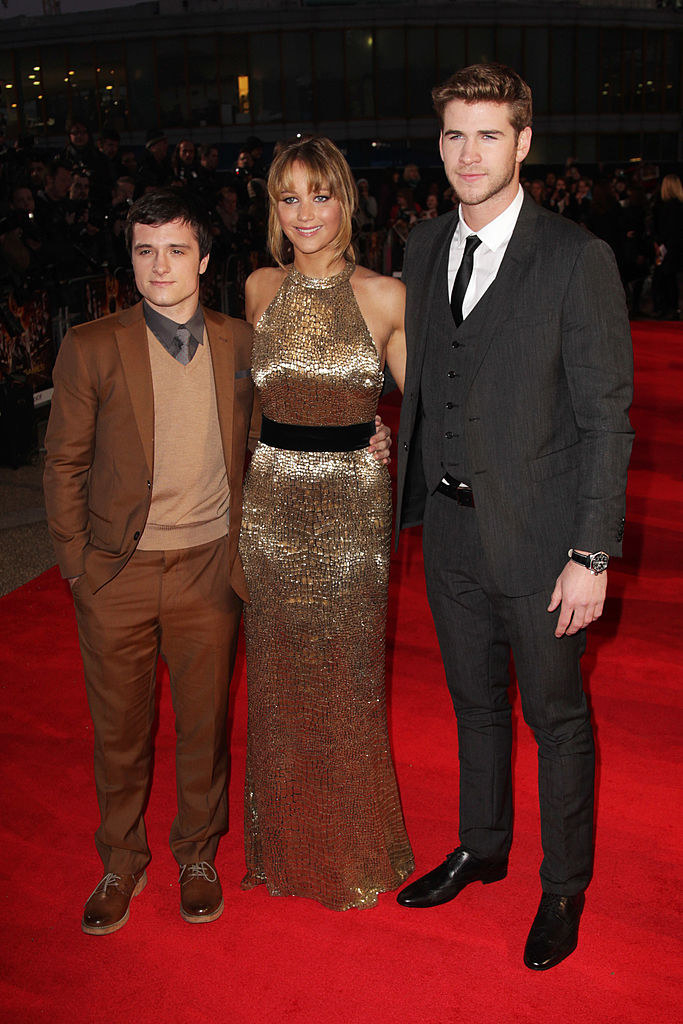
(326, 168)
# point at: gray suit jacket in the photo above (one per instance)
(547, 433)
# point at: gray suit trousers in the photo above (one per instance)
(477, 626)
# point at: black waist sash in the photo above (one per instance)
(297, 438)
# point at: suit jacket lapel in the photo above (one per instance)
(131, 339)
(496, 303)
(223, 359)
(430, 280)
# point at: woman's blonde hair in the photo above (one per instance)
(326, 168)
(672, 188)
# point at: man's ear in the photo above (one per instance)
(203, 263)
(523, 144)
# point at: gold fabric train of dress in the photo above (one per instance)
(322, 812)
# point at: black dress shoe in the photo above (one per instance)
(445, 882)
(555, 930)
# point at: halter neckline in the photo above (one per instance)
(321, 282)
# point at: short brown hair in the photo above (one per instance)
(163, 205)
(487, 83)
(326, 167)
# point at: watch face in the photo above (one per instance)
(599, 562)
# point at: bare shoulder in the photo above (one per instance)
(261, 288)
(377, 289)
(378, 286)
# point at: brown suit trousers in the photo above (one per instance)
(179, 604)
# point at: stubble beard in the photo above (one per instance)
(491, 189)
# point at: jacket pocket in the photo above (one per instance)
(100, 528)
(555, 463)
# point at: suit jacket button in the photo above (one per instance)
(149, 484)
(136, 535)
(451, 373)
(405, 446)
(448, 434)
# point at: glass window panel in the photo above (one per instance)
(609, 147)
(654, 70)
(633, 77)
(55, 87)
(509, 46)
(203, 73)
(112, 85)
(391, 69)
(173, 112)
(235, 86)
(536, 66)
(669, 145)
(537, 153)
(481, 45)
(142, 104)
(421, 56)
(359, 78)
(329, 75)
(588, 87)
(672, 71)
(298, 75)
(30, 88)
(586, 148)
(562, 71)
(83, 86)
(558, 148)
(9, 99)
(610, 63)
(266, 79)
(631, 146)
(450, 43)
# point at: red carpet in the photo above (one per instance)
(290, 960)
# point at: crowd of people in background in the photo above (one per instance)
(62, 214)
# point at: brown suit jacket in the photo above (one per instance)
(100, 439)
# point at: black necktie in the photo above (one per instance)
(462, 278)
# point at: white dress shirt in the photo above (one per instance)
(488, 256)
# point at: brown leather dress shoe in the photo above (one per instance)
(201, 896)
(108, 907)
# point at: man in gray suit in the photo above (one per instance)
(513, 450)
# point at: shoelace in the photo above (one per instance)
(109, 879)
(201, 869)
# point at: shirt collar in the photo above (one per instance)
(498, 231)
(165, 329)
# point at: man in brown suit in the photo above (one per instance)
(143, 483)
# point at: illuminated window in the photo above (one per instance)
(243, 93)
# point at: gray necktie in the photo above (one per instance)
(462, 278)
(182, 338)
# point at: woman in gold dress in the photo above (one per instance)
(322, 812)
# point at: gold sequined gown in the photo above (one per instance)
(322, 812)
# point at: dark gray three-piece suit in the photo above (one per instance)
(527, 402)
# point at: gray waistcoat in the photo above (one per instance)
(445, 369)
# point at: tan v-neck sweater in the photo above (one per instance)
(190, 490)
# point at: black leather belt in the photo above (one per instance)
(297, 438)
(456, 490)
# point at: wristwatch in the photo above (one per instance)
(596, 562)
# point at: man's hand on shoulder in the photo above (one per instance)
(581, 595)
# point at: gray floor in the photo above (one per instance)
(25, 548)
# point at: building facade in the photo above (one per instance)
(606, 77)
